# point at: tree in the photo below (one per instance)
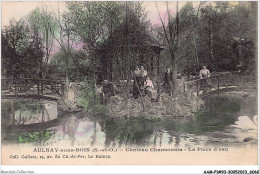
(108, 29)
(79, 64)
(126, 43)
(42, 22)
(223, 27)
(220, 35)
(176, 40)
(22, 51)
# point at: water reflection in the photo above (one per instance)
(217, 124)
(24, 112)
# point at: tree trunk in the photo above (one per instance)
(94, 136)
(196, 52)
(173, 51)
(211, 41)
(126, 52)
(174, 73)
(12, 114)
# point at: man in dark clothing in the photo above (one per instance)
(168, 80)
(187, 71)
(137, 82)
(108, 90)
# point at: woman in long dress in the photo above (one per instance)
(149, 88)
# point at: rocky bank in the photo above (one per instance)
(183, 105)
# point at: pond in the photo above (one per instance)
(226, 120)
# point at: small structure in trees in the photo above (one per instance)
(126, 57)
(243, 50)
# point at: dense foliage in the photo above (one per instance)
(220, 35)
(22, 51)
(110, 38)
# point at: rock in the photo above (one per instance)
(247, 139)
(177, 106)
(62, 106)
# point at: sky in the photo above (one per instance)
(16, 10)
(152, 12)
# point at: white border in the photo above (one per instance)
(132, 169)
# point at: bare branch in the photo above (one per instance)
(164, 29)
(188, 35)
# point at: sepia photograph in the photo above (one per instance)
(129, 83)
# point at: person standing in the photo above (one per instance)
(137, 74)
(168, 80)
(108, 90)
(143, 74)
(204, 75)
(99, 92)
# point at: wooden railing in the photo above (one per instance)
(32, 86)
(214, 82)
(44, 87)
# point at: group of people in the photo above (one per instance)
(143, 85)
(142, 82)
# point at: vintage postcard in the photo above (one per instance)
(129, 83)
